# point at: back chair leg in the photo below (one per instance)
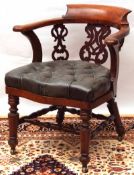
(113, 109)
(13, 118)
(60, 115)
(85, 139)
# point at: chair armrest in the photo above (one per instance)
(27, 30)
(36, 25)
(116, 37)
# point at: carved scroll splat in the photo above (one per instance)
(95, 49)
(59, 31)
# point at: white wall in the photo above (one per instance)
(15, 50)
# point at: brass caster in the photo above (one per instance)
(13, 152)
(120, 138)
(84, 169)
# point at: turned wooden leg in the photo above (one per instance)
(85, 135)
(113, 109)
(13, 118)
(60, 115)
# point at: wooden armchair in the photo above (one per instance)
(84, 83)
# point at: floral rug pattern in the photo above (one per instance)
(108, 156)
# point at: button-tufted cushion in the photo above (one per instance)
(77, 80)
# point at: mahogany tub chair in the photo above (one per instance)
(84, 83)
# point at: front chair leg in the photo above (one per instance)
(113, 109)
(13, 118)
(85, 135)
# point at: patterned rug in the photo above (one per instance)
(44, 151)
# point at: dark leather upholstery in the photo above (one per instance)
(77, 80)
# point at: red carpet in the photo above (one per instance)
(45, 151)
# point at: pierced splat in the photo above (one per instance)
(59, 31)
(95, 49)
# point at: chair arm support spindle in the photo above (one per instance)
(114, 66)
(114, 43)
(36, 45)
